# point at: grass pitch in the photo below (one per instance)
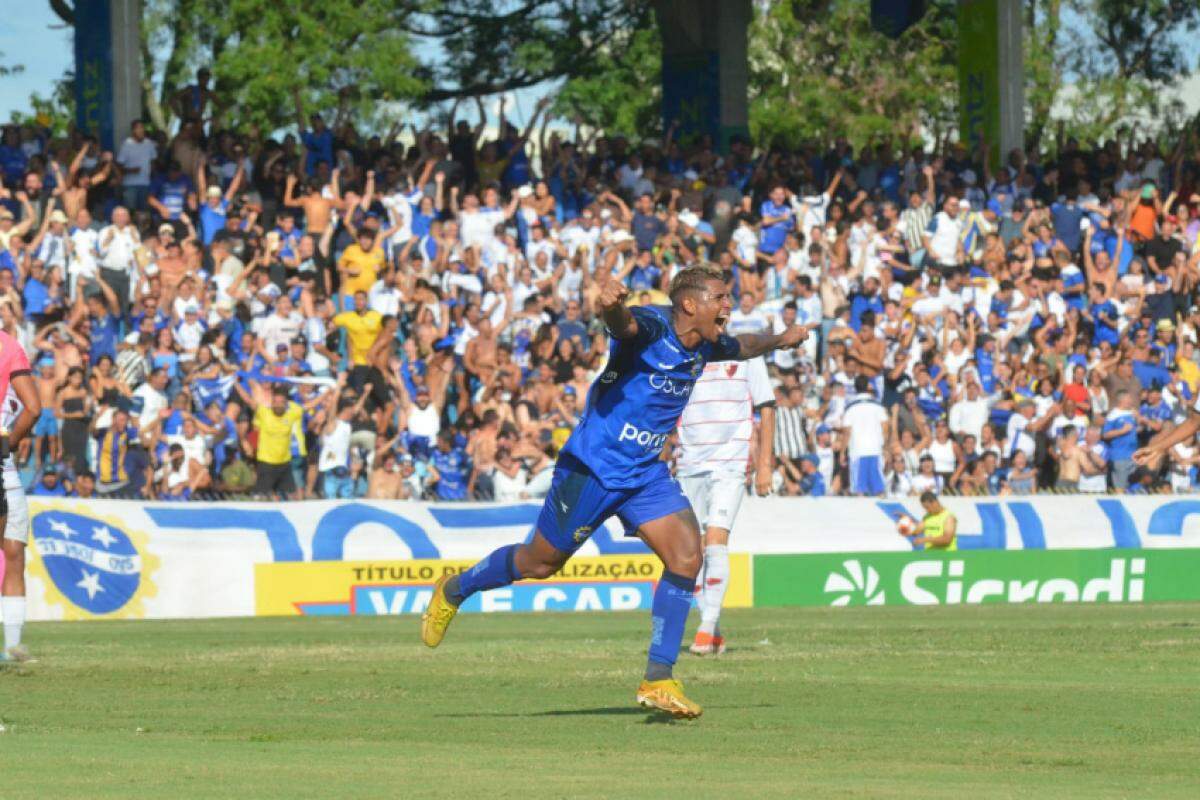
(955, 702)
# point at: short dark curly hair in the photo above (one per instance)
(694, 279)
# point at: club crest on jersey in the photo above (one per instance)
(91, 566)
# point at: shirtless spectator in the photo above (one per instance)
(386, 481)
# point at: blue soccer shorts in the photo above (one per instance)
(578, 503)
(866, 475)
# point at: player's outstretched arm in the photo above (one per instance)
(755, 344)
(1151, 455)
(617, 316)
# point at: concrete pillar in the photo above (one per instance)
(1012, 77)
(990, 74)
(108, 68)
(127, 65)
(704, 69)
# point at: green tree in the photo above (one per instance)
(493, 46)
(9, 69)
(819, 70)
(55, 112)
(1122, 70)
(622, 93)
(350, 51)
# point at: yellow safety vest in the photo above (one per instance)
(935, 526)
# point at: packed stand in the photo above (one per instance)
(335, 315)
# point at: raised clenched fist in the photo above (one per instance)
(613, 293)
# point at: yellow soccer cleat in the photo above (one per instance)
(667, 696)
(437, 615)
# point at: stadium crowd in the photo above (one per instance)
(336, 315)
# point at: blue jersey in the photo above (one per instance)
(635, 404)
(453, 471)
(172, 194)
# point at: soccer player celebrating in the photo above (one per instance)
(21, 407)
(611, 465)
(714, 438)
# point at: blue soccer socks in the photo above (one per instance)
(493, 572)
(668, 616)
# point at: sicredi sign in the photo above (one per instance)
(1065, 576)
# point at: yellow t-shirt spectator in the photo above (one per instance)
(490, 171)
(362, 330)
(362, 268)
(1189, 372)
(275, 433)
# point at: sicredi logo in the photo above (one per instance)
(647, 439)
(855, 584)
(922, 584)
(947, 582)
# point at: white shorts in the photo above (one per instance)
(714, 497)
(16, 527)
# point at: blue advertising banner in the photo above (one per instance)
(94, 108)
(690, 94)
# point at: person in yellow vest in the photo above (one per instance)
(278, 421)
(938, 529)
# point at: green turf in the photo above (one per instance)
(994, 701)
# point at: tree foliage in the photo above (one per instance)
(55, 111)
(820, 70)
(258, 52)
(817, 69)
(9, 69)
(623, 93)
(492, 46)
(1121, 69)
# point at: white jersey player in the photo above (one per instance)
(19, 409)
(715, 434)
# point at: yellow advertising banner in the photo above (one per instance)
(596, 583)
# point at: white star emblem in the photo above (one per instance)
(103, 536)
(58, 526)
(90, 582)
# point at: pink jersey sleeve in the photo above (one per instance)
(13, 361)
